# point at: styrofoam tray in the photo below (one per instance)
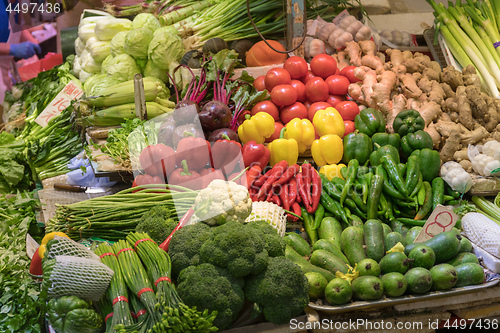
(488, 260)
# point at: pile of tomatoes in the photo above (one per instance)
(298, 92)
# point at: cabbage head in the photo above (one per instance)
(151, 70)
(137, 43)
(165, 48)
(146, 20)
(106, 29)
(123, 68)
(89, 64)
(105, 64)
(117, 43)
(96, 83)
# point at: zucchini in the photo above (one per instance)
(374, 239)
(328, 261)
(298, 243)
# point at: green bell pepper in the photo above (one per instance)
(370, 121)
(384, 139)
(70, 314)
(413, 141)
(381, 151)
(430, 163)
(357, 146)
(408, 121)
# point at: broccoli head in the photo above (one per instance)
(275, 244)
(158, 223)
(184, 247)
(209, 287)
(237, 247)
(281, 290)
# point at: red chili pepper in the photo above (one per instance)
(252, 174)
(307, 177)
(292, 192)
(275, 174)
(276, 200)
(285, 197)
(184, 220)
(262, 179)
(295, 210)
(316, 190)
(269, 197)
(302, 190)
(289, 174)
(253, 194)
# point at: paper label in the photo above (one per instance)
(442, 219)
(70, 92)
(341, 16)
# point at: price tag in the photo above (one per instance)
(343, 14)
(70, 92)
(442, 219)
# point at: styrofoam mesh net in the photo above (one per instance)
(63, 246)
(86, 278)
(271, 213)
(483, 232)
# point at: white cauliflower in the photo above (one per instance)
(223, 201)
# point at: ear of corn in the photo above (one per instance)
(123, 93)
(116, 115)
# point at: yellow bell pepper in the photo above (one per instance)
(302, 130)
(329, 121)
(47, 238)
(332, 170)
(283, 150)
(258, 128)
(328, 149)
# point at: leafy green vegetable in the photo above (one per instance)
(19, 306)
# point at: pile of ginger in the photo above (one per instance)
(455, 109)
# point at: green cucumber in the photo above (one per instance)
(298, 243)
(445, 245)
(387, 229)
(351, 241)
(328, 261)
(356, 221)
(392, 239)
(463, 258)
(305, 265)
(374, 239)
(412, 234)
(323, 244)
(465, 245)
(330, 229)
(469, 274)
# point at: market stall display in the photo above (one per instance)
(337, 182)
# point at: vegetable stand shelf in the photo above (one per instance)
(386, 302)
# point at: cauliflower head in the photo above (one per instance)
(222, 202)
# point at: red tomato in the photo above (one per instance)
(268, 107)
(275, 77)
(337, 72)
(308, 76)
(349, 127)
(296, 110)
(316, 107)
(259, 83)
(301, 90)
(316, 90)
(337, 84)
(283, 94)
(348, 72)
(307, 104)
(348, 110)
(277, 129)
(323, 65)
(296, 66)
(334, 99)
